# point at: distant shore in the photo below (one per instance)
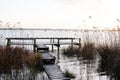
(57, 29)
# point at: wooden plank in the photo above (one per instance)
(60, 43)
(32, 38)
(44, 43)
(47, 58)
(42, 47)
(54, 73)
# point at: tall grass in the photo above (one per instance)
(11, 58)
(71, 51)
(110, 60)
(17, 58)
(108, 49)
(87, 51)
(34, 63)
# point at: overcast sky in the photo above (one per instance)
(60, 13)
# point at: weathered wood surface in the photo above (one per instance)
(54, 73)
(32, 38)
(52, 70)
(44, 43)
(47, 56)
(42, 47)
(11, 41)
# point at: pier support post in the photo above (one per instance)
(52, 41)
(79, 42)
(34, 45)
(58, 54)
(72, 43)
(8, 42)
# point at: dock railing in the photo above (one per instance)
(52, 41)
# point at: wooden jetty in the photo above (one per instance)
(52, 70)
(39, 45)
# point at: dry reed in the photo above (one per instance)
(16, 58)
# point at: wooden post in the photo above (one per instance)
(34, 45)
(72, 43)
(58, 54)
(8, 42)
(52, 41)
(79, 42)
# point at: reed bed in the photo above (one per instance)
(17, 60)
(11, 58)
(34, 63)
(87, 51)
(108, 49)
(71, 51)
(110, 60)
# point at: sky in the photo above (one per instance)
(70, 14)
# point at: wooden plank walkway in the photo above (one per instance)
(42, 47)
(52, 70)
(47, 58)
(54, 73)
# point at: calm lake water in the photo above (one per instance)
(81, 69)
(97, 36)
